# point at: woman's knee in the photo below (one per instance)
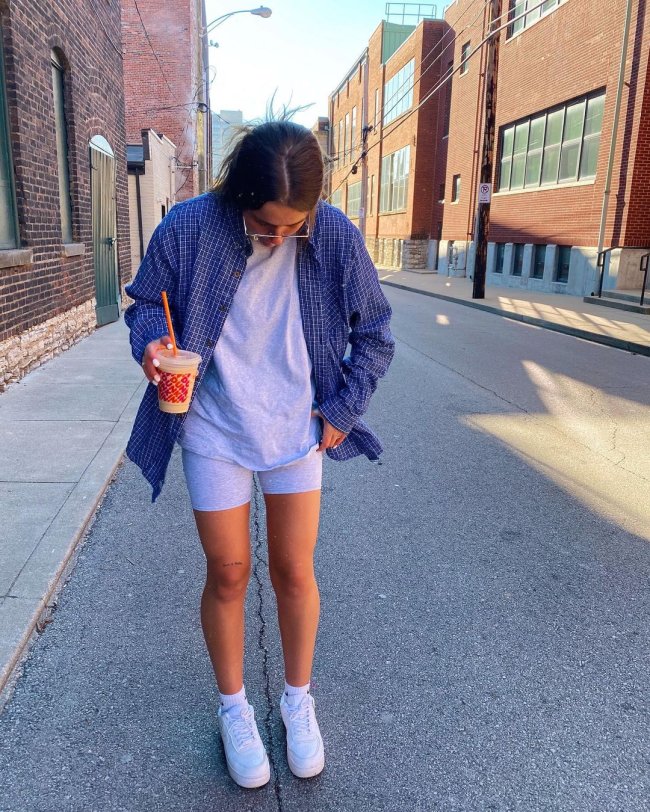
(227, 580)
(292, 580)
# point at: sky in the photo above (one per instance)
(301, 52)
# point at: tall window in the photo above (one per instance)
(353, 133)
(563, 263)
(398, 92)
(464, 58)
(539, 258)
(346, 132)
(394, 180)
(500, 254)
(518, 261)
(336, 198)
(62, 147)
(455, 189)
(340, 157)
(557, 146)
(8, 229)
(521, 18)
(354, 199)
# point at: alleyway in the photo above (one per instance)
(485, 606)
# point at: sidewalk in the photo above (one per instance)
(63, 430)
(566, 314)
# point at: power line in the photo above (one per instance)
(440, 84)
(424, 58)
(146, 33)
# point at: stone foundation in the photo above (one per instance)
(398, 254)
(22, 353)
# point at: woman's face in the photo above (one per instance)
(273, 222)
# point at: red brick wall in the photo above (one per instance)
(414, 130)
(568, 53)
(161, 93)
(88, 34)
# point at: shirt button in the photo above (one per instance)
(223, 308)
(236, 274)
(210, 343)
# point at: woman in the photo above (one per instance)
(267, 283)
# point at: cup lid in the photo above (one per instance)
(183, 359)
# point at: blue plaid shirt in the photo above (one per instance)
(198, 254)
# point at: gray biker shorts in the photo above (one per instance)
(221, 485)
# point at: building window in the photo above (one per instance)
(518, 260)
(398, 92)
(346, 130)
(563, 263)
(336, 198)
(464, 58)
(8, 222)
(62, 147)
(500, 253)
(557, 146)
(455, 189)
(353, 133)
(539, 258)
(341, 145)
(441, 193)
(447, 110)
(521, 18)
(394, 180)
(354, 199)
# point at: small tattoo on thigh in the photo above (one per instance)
(234, 564)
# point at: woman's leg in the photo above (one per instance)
(292, 529)
(225, 538)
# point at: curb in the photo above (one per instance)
(576, 332)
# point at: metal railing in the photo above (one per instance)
(410, 13)
(643, 268)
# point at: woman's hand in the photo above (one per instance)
(332, 437)
(149, 360)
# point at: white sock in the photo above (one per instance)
(294, 695)
(228, 701)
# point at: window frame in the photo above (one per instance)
(499, 256)
(558, 264)
(456, 188)
(549, 154)
(394, 182)
(6, 156)
(356, 200)
(464, 58)
(517, 7)
(396, 105)
(538, 248)
(62, 146)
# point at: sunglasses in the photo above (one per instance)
(301, 234)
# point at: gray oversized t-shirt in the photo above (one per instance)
(254, 404)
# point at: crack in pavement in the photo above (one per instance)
(258, 562)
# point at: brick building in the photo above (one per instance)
(556, 92)
(166, 84)
(64, 232)
(396, 211)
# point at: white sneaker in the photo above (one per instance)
(305, 752)
(246, 757)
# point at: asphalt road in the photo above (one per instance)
(485, 606)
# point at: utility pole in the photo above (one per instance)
(365, 129)
(487, 159)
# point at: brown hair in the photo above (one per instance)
(276, 161)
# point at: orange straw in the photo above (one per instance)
(170, 327)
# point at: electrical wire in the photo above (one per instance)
(146, 33)
(440, 84)
(379, 114)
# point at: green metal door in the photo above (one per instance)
(104, 224)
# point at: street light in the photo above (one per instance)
(262, 11)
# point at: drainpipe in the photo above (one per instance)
(612, 144)
(139, 208)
